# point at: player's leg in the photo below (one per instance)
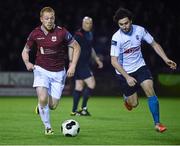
(129, 93)
(53, 102)
(79, 85)
(41, 83)
(91, 83)
(131, 101)
(153, 103)
(146, 82)
(44, 109)
(56, 88)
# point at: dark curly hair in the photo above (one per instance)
(122, 13)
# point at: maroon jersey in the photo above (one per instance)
(51, 47)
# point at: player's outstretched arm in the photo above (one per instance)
(25, 57)
(74, 53)
(158, 49)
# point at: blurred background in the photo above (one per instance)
(20, 17)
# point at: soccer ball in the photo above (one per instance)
(70, 128)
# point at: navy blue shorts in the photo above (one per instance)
(142, 74)
(82, 73)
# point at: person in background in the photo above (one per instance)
(84, 78)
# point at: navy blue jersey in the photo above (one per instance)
(85, 40)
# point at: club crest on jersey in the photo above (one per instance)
(137, 37)
(54, 38)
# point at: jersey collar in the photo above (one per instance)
(45, 31)
(130, 32)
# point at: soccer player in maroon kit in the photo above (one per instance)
(49, 69)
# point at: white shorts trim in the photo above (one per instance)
(53, 81)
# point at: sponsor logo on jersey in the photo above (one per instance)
(132, 50)
(40, 38)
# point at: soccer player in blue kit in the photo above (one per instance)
(83, 74)
(131, 69)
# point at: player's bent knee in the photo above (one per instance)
(79, 88)
(52, 107)
(134, 105)
(43, 101)
(92, 86)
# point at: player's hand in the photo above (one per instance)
(131, 81)
(29, 66)
(171, 64)
(100, 64)
(71, 70)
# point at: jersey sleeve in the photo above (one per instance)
(77, 36)
(30, 40)
(115, 47)
(68, 37)
(147, 36)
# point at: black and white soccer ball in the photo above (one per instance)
(70, 128)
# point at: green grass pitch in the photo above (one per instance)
(110, 123)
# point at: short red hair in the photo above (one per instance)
(46, 9)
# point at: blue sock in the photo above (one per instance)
(86, 94)
(154, 108)
(76, 97)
